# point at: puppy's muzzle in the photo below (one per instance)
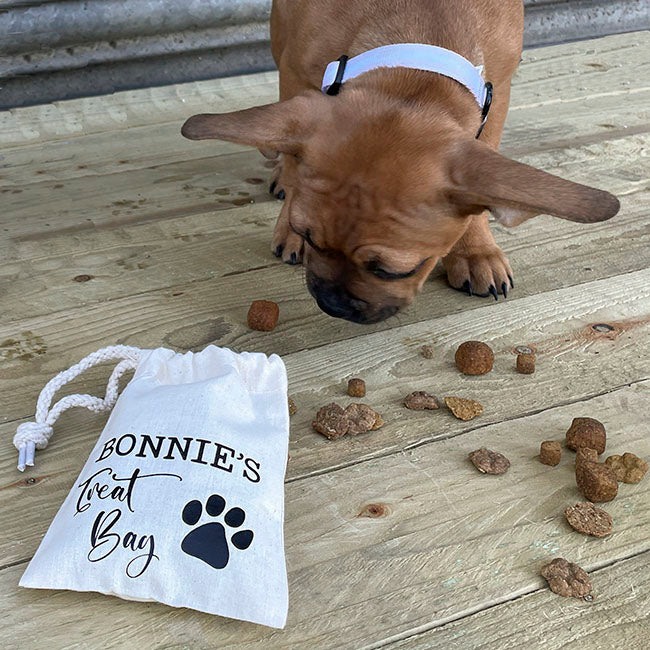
(335, 300)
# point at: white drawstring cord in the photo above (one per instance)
(35, 435)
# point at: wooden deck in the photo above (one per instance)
(173, 238)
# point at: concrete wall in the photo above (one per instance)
(58, 49)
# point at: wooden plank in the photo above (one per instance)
(36, 348)
(153, 244)
(547, 101)
(449, 541)
(190, 174)
(68, 119)
(617, 618)
(575, 361)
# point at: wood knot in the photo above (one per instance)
(374, 510)
(82, 278)
(602, 327)
(524, 349)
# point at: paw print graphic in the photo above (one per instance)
(209, 542)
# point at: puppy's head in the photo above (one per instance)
(381, 191)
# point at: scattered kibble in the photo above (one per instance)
(464, 409)
(356, 387)
(292, 407)
(489, 462)
(526, 363)
(586, 432)
(566, 578)
(550, 452)
(419, 401)
(628, 468)
(474, 358)
(596, 481)
(333, 421)
(586, 518)
(263, 315)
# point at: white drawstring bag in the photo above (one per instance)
(182, 498)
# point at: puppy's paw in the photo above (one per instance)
(485, 273)
(275, 185)
(286, 243)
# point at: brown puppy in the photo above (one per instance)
(386, 178)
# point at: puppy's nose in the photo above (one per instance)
(335, 300)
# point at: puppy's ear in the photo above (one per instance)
(282, 126)
(481, 178)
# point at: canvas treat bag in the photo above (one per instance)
(182, 498)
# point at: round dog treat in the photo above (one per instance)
(331, 421)
(263, 315)
(474, 358)
(596, 481)
(489, 462)
(566, 578)
(464, 409)
(629, 468)
(292, 407)
(356, 387)
(586, 432)
(588, 519)
(361, 418)
(419, 401)
(526, 363)
(427, 351)
(550, 452)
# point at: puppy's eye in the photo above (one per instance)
(374, 267)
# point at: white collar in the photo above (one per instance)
(411, 55)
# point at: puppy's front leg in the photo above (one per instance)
(286, 243)
(476, 264)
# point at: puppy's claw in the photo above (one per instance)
(272, 187)
(493, 291)
(504, 290)
(293, 259)
(281, 195)
(512, 282)
(467, 286)
(278, 250)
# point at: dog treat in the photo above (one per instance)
(356, 387)
(526, 363)
(464, 409)
(586, 518)
(263, 315)
(628, 468)
(362, 418)
(566, 578)
(550, 452)
(596, 481)
(586, 454)
(332, 421)
(419, 401)
(474, 358)
(586, 432)
(489, 462)
(292, 407)
(427, 351)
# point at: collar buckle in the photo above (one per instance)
(335, 88)
(486, 107)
